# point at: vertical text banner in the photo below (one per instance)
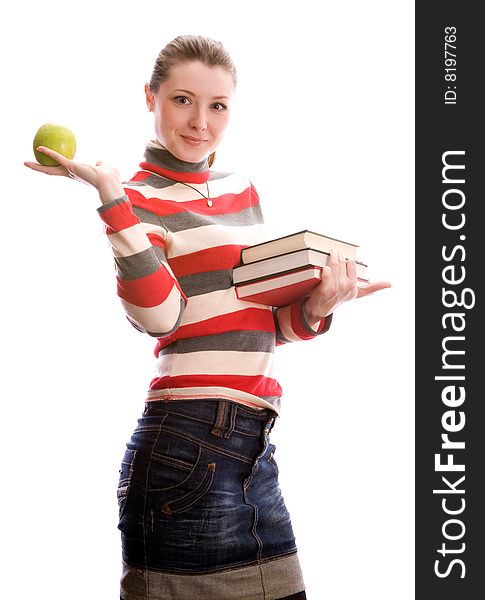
(450, 242)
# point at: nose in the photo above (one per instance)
(198, 119)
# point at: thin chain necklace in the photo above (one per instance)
(207, 198)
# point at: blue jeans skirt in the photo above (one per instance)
(201, 513)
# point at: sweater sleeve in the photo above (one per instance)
(292, 325)
(150, 294)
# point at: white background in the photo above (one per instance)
(323, 125)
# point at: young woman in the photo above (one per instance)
(200, 510)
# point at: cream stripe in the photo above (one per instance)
(129, 241)
(210, 236)
(215, 362)
(316, 326)
(270, 580)
(156, 319)
(207, 306)
(208, 392)
(232, 184)
(155, 229)
(284, 320)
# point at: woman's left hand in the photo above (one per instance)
(339, 284)
(104, 178)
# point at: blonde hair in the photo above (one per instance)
(186, 48)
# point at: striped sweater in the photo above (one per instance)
(174, 252)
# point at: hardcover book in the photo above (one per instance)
(287, 262)
(282, 289)
(297, 241)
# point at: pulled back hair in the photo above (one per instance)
(185, 48)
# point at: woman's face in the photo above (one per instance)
(191, 109)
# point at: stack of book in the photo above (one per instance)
(282, 270)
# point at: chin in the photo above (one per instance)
(186, 152)
(191, 155)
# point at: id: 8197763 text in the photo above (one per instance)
(450, 65)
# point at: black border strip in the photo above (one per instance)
(449, 254)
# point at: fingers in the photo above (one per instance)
(344, 273)
(383, 284)
(44, 169)
(52, 153)
(60, 169)
(351, 269)
(368, 288)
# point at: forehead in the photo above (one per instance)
(200, 79)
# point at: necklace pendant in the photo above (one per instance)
(209, 202)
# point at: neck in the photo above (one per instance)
(160, 161)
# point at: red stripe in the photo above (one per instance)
(210, 259)
(156, 240)
(248, 319)
(321, 325)
(147, 291)
(155, 205)
(252, 384)
(254, 194)
(296, 322)
(140, 176)
(222, 205)
(176, 175)
(119, 217)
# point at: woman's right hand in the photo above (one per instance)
(104, 178)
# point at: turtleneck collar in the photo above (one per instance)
(160, 161)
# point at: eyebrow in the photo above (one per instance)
(193, 94)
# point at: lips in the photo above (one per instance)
(192, 140)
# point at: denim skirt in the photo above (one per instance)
(201, 513)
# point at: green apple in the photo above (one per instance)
(58, 138)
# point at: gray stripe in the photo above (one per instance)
(281, 576)
(280, 338)
(163, 158)
(155, 181)
(147, 216)
(220, 175)
(104, 207)
(240, 341)
(203, 283)
(187, 220)
(140, 264)
(326, 325)
(274, 400)
(182, 221)
(159, 182)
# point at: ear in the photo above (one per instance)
(150, 98)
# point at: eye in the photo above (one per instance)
(218, 106)
(182, 100)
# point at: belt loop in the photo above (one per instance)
(269, 425)
(232, 421)
(220, 418)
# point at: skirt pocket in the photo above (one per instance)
(181, 473)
